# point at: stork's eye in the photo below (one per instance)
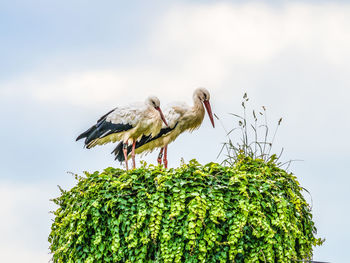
(205, 96)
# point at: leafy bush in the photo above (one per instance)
(250, 211)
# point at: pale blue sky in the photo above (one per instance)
(64, 64)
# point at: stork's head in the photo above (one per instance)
(154, 102)
(204, 96)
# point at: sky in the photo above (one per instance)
(65, 63)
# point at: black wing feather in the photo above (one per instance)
(85, 134)
(105, 116)
(102, 129)
(106, 128)
(93, 128)
(118, 151)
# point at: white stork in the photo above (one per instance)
(126, 124)
(181, 118)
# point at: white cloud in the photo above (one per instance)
(223, 35)
(213, 45)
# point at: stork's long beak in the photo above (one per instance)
(208, 108)
(162, 116)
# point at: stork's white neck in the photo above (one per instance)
(194, 117)
(197, 105)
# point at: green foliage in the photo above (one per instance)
(252, 211)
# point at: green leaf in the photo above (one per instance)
(249, 211)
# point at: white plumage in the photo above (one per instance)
(126, 124)
(180, 117)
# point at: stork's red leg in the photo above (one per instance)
(160, 155)
(125, 151)
(165, 160)
(133, 154)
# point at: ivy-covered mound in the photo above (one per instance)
(251, 212)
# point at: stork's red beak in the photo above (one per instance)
(208, 108)
(161, 115)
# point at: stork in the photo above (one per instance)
(181, 118)
(128, 123)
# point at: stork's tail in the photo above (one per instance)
(118, 152)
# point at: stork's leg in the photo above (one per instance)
(125, 151)
(133, 154)
(165, 160)
(160, 155)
